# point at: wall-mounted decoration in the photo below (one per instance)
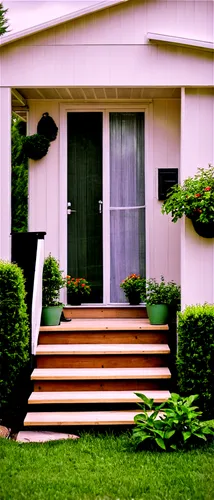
(167, 177)
(47, 127)
(35, 146)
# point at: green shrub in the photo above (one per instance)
(14, 328)
(175, 427)
(195, 360)
(19, 177)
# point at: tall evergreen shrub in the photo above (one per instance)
(19, 178)
(195, 360)
(14, 329)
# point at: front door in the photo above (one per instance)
(84, 196)
(118, 227)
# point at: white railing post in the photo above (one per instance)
(37, 296)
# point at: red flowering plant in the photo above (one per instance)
(78, 286)
(195, 198)
(134, 288)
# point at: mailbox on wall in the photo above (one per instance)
(167, 177)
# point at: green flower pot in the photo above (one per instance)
(51, 315)
(158, 314)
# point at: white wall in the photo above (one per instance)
(111, 48)
(164, 245)
(197, 150)
(44, 182)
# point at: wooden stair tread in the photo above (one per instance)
(99, 373)
(103, 324)
(80, 418)
(95, 397)
(94, 349)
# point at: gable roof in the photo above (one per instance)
(99, 5)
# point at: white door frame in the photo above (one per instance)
(105, 108)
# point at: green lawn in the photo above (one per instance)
(103, 467)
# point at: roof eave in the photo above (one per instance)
(101, 5)
(180, 41)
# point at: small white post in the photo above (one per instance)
(5, 173)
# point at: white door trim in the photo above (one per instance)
(105, 108)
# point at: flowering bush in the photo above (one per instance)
(195, 198)
(133, 285)
(79, 286)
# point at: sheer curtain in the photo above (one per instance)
(127, 199)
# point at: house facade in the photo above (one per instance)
(130, 85)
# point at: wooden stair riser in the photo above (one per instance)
(101, 385)
(104, 337)
(105, 312)
(104, 361)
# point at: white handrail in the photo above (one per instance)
(37, 296)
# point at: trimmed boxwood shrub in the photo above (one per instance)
(195, 360)
(14, 329)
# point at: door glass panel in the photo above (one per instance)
(84, 193)
(127, 199)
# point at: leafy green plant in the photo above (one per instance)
(14, 328)
(175, 427)
(195, 198)
(78, 286)
(133, 285)
(36, 146)
(52, 282)
(195, 359)
(162, 293)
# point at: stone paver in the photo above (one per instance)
(42, 436)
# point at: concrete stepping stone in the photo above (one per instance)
(42, 436)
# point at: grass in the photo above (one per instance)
(103, 467)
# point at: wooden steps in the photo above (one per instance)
(80, 418)
(98, 312)
(98, 361)
(95, 397)
(101, 355)
(99, 373)
(97, 349)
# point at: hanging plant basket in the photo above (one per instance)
(204, 229)
(47, 127)
(36, 146)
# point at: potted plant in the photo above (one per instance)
(195, 199)
(52, 282)
(133, 287)
(78, 288)
(161, 299)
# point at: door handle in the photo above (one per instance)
(69, 210)
(100, 203)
